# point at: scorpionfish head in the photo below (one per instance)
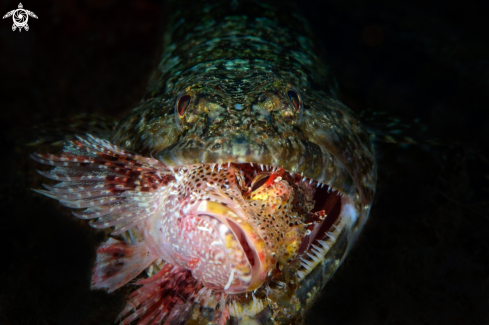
(229, 225)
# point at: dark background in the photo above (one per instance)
(423, 258)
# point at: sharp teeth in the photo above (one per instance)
(261, 166)
(310, 182)
(324, 244)
(318, 184)
(314, 258)
(319, 251)
(212, 167)
(251, 164)
(218, 167)
(229, 164)
(304, 179)
(322, 185)
(307, 264)
(291, 174)
(330, 235)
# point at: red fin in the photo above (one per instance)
(118, 263)
(168, 295)
(120, 188)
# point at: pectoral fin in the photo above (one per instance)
(118, 263)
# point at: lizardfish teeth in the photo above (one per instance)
(324, 244)
(261, 166)
(251, 164)
(310, 182)
(330, 235)
(304, 179)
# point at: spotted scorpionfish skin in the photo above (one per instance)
(238, 185)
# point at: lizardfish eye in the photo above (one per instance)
(183, 102)
(295, 100)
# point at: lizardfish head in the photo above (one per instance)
(264, 178)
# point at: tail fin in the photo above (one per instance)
(118, 263)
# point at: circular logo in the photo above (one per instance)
(20, 18)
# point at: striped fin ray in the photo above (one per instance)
(77, 174)
(110, 220)
(79, 195)
(117, 209)
(75, 187)
(119, 188)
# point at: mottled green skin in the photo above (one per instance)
(251, 54)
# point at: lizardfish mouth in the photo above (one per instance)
(233, 225)
(298, 156)
(326, 205)
(270, 217)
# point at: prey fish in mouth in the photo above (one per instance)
(238, 185)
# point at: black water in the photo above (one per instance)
(423, 258)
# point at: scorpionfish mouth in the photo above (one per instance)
(233, 225)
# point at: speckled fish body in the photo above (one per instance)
(240, 182)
